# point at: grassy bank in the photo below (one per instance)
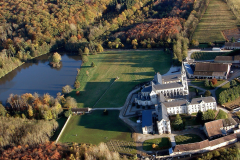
(132, 68)
(217, 18)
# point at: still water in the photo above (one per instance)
(38, 76)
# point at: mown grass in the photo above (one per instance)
(201, 83)
(132, 67)
(187, 138)
(221, 115)
(61, 121)
(217, 18)
(206, 55)
(95, 127)
(162, 143)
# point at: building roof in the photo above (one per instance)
(223, 139)
(205, 99)
(223, 58)
(174, 77)
(147, 89)
(175, 103)
(213, 127)
(162, 113)
(211, 67)
(146, 118)
(80, 109)
(229, 122)
(191, 146)
(203, 73)
(157, 78)
(237, 57)
(167, 86)
(188, 68)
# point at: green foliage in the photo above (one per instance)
(229, 95)
(180, 49)
(206, 83)
(233, 83)
(199, 117)
(207, 93)
(209, 115)
(84, 58)
(76, 84)
(178, 123)
(99, 48)
(68, 113)
(86, 51)
(3, 111)
(93, 64)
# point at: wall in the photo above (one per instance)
(63, 128)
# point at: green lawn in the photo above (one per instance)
(163, 143)
(221, 115)
(61, 121)
(132, 67)
(217, 18)
(95, 128)
(187, 138)
(201, 83)
(192, 89)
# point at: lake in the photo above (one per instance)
(37, 76)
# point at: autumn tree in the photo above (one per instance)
(67, 89)
(70, 103)
(76, 84)
(86, 51)
(99, 48)
(214, 81)
(56, 58)
(3, 111)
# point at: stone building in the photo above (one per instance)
(169, 96)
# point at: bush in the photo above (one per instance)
(68, 113)
(207, 93)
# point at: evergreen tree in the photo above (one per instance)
(208, 93)
(199, 117)
(209, 115)
(206, 83)
(93, 64)
(178, 123)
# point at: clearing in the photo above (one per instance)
(187, 138)
(95, 127)
(217, 18)
(161, 143)
(132, 67)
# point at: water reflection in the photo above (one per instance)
(38, 76)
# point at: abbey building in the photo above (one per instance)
(169, 95)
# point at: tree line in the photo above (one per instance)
(230, 94)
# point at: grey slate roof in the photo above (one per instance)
(146, 118)
(168, 86)
(173, 77)
(157, 78)
(162, 113)
(147, 89)
(175, 103)
(229, 122)
(205, 99)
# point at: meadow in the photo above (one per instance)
(131, 67)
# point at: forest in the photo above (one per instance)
(32, 28)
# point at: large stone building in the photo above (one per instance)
(169, 96)
(211, 70)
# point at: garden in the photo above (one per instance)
(187, 138)
(131, 68)
(157, 144)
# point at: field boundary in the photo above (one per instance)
(63, 128)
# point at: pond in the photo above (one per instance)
(37, 76)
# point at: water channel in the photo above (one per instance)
(37, 76)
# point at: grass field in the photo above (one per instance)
(221, 115)
(217, 18)
(162, 143)
(95, 128)
(201, 83)
(187, 138)
(132, 67)
(207, 55)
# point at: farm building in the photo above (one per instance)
(230, 45)
(80, 110)
(234, 60)
(211, 70)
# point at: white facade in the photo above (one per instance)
(147, 129)
(164, 127)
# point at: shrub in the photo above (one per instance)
(214, 81)
(207, 93)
